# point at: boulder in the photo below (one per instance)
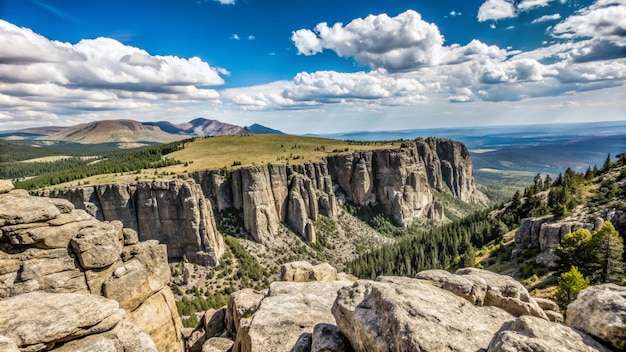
(130, 237)
(601, 312)
(504, 292)
(472, 290)
(547, 304)
(98, 246)
(18, 209)
(537, 335)
(324, 272)
(328, 338)
(242, 304)
(140, 277)
(39, 320)
(6, 186)
(304, 343)
(158, 317)
(217, 344)
(214, 322)
(484, 288)
(300, 271)
(303, 271)
(290, 310)
(404, 314)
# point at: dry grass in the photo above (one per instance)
(218, 152)
(224, 151)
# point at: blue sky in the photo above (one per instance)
(313, 66)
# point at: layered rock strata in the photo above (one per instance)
(175, 213)
(70, 282)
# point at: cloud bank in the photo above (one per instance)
(41, 78)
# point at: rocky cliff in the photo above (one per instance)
(175, 213)
(545, 233)
(70, 282)
(402, 181)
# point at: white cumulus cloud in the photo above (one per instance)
(93, 74)
(395, 43)
(496, 10)
(605, 18)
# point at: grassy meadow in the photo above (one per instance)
(231, 152)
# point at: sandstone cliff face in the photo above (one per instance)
(71, 282)
(173, 212)
(402, 179)
(180, 214)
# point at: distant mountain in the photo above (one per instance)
(202, 127)
(130, 133)
(107, 131)
(260, 129)
(31, 133)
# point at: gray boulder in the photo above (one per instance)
(601, 312)
(404, 314)
(217, 344)
(38, 320)
(328, 338)
(537, 335)
(290, 310)
(242, 304)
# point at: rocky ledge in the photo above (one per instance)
(69, 282)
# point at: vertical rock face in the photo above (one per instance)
(177, 214)
(173, 212)
(67, 278)
(402, 181)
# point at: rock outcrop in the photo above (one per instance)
(601, 312)
(403, 314)
(71, 282)
(175, 213)
(303, 271)
(471, 310)
(533, 334)
(288, 313)
(484, 288)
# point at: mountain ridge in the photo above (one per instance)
(125, 131)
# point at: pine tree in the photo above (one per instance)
(570, 285)
(548, 182)
(608, 249)
(575, 250)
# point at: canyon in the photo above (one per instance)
(404, 182)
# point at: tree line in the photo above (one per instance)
(111, 162)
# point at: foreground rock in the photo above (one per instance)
(601, 311)
(303, 271)
(67, 278)
(288, 313)
(533, 334)
(59, 317)
(403, 314)
(484, 288)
